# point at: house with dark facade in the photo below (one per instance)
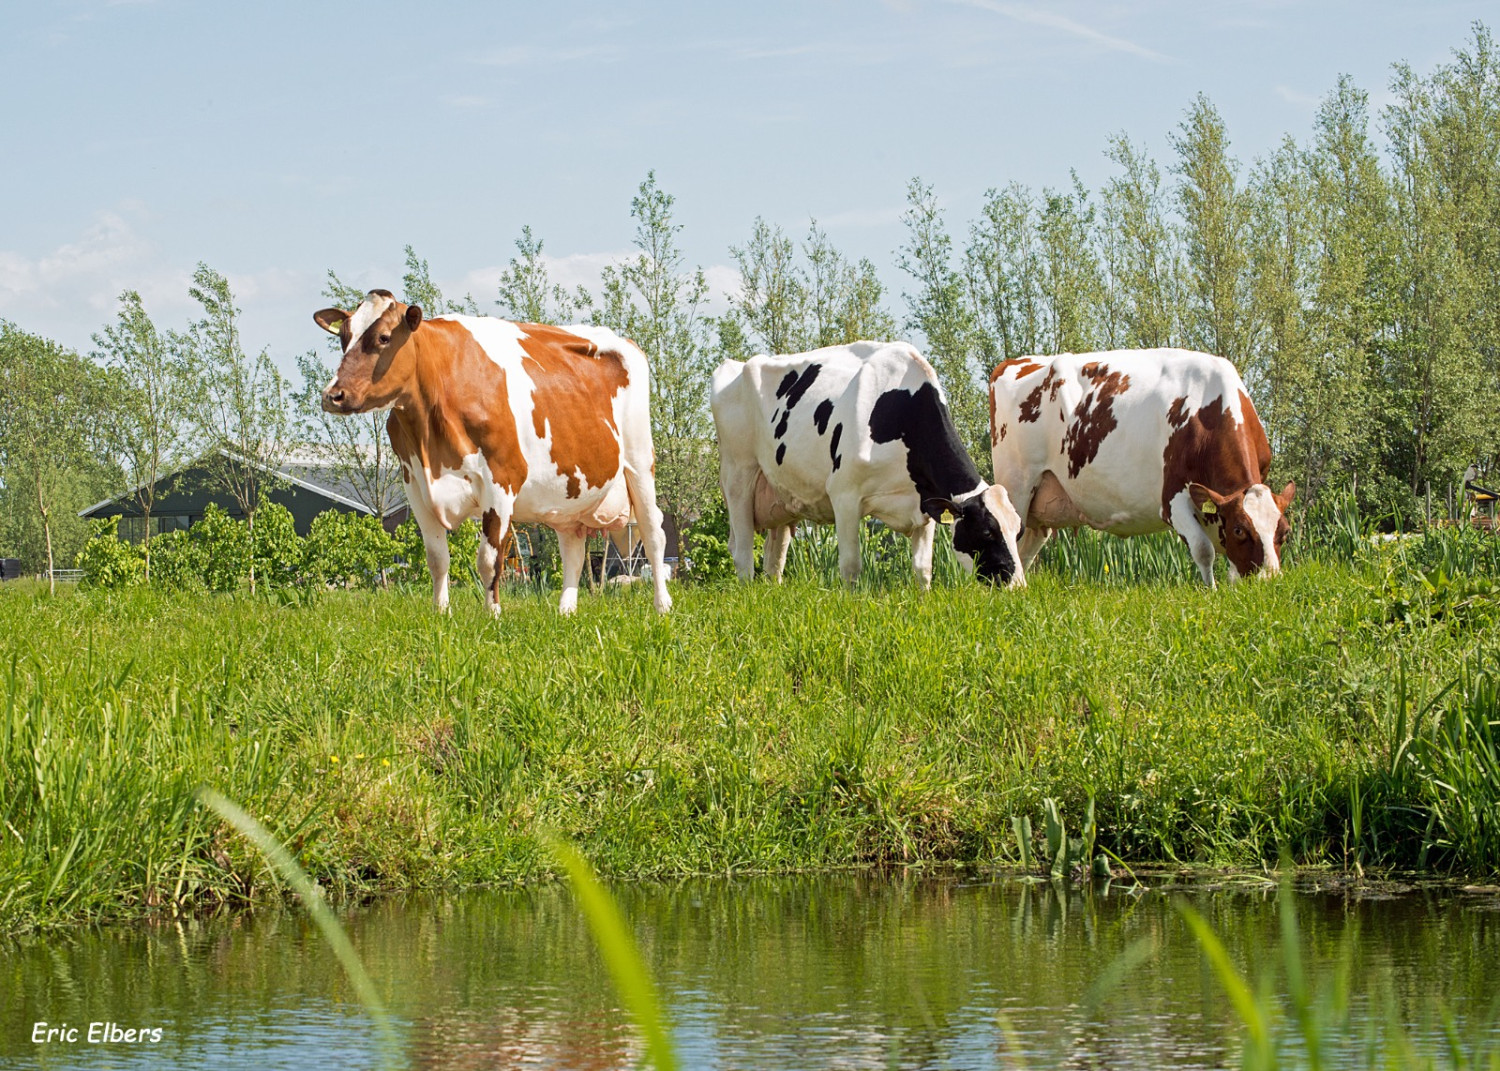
(305, 483)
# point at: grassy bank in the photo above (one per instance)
(1340, 713)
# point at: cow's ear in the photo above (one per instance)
(413, 317)
(936, 507)
(1206, 498)
(330, 320)
(1288, 493)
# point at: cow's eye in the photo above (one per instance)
(1240, 533)
(384, 339)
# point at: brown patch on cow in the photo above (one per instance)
(1024, 366)
(1031, 407)
(1052, 383)
(574, 392)
(1002, 432)
(456, 403)
(1177, 414)
(1257, 435)
(1094, 418)
(490, 526)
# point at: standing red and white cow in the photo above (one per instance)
(509, 422)
(1134, 441)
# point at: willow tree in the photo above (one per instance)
(241, 412)
(655, 300)
(149, 428)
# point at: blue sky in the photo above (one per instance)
(275, 141)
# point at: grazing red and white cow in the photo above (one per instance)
(1134, 441)
(846, 432)
(509, 422)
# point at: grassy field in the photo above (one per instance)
(1342, 713)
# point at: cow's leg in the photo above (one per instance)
(1031, 544)
(495, 527)
(435, 543)
(642, 488)
(773, 554)
(739, 497)
(571, 542)
(1184, 520)
(848, 516)
(921, 552)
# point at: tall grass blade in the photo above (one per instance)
(632, 980)
(1245, 1005)
(282, 862)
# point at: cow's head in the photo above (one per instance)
(985, 530)
(370, 376)
(1249, 526)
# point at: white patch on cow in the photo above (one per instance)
(1260, 507)
(372, 308)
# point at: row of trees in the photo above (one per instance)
(1355, 284)
(1356, 288)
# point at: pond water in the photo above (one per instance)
(843, 971)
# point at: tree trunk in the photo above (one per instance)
(146, 540)
(41, 505)
(250, 521)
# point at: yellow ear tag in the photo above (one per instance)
(1209, 507)
(947, 517)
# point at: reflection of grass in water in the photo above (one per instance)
(1319, 1015)
(283, 864)
(632, 980)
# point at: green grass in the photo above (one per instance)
(1342, 713)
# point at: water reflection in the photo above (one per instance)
(831, 971)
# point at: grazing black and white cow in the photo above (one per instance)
(846, 432)
(1135, 441)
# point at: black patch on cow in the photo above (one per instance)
(792, 387)
(781, 453)
(833, 446)
(939, 465)
(821, 415)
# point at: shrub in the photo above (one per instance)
(278, 549)
(225, 543)
(349, 549)
(106, 561)
(707, 547)
(178, 561)
(463, 550)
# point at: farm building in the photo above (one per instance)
(305, 483)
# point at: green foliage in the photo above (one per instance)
(769, 727)
(106, 561)
(656, 302)
(707, 545)
(411, 554)
(53, 460)
(349, 549)
(178, 561)
(278, 551)
(225, 546)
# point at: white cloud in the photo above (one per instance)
(1037, 15)
(859, 218)
(1297, 97)
(545, 55)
